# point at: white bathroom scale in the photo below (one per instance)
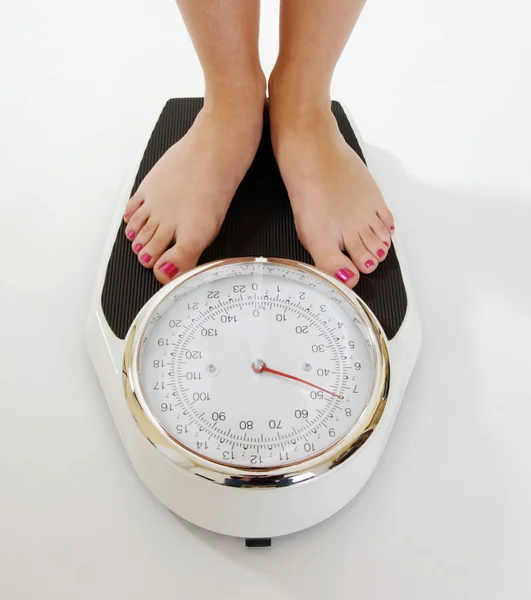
(254, 394)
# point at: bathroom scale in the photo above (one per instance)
(254, 394)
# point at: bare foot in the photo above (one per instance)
(180, 205)
(336, 203)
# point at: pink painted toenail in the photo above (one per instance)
(369, 264)
(126, 217)
(380, 253)
(138, 247)
(145, 258)
(344, 275)
(386, 244)
(131, 235)
(170, 269)
(392, 228)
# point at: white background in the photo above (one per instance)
(441, 93)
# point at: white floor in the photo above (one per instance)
(441, 91)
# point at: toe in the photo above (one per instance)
(328, 257)
(136, 222)
(150, 253)
(144, 236)
(387, 218)
(179, 258)
(135, 202)
(379, 229)
(361, 257)
(373, 244)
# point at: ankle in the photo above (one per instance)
(244, 96)
(294, 93)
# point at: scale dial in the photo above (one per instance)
(257, 364)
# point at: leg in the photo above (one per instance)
(180, 206)
(336, 204)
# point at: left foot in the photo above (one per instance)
(336, 203)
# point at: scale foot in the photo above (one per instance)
(258, 542)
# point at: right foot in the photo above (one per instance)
(180, 205)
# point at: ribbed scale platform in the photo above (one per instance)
(258, 223)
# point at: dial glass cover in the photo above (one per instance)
(256, 364)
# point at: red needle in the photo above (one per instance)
(259, 366)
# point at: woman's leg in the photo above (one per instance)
(186, 195)
(336, 203)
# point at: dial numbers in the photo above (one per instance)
(196, 365)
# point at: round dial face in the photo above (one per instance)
(256, 364)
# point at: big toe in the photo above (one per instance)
(179, 258)
(328, 258)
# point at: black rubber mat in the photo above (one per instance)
(258, 223)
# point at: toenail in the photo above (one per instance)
(145, 258)
(386, 244)
(131, 235)
(126, 217)
(344, 275)
(138, 247)
(170, 269)
(392, 228)
(369, 264)
(380, 253)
